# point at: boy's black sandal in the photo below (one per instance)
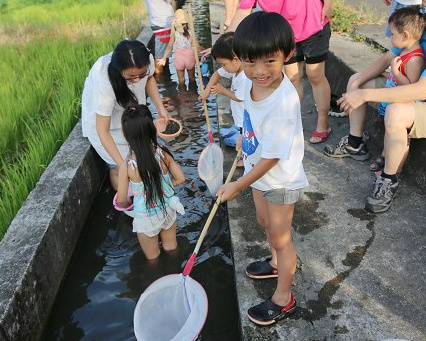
(261, 269)
(268, 312)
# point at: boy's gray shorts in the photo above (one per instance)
(281, 196)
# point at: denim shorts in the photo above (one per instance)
(281, 196)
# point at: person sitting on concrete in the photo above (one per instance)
(406, 25)
(273, 149)
(161, 14)
(231, 68)
(403, 120)
(395, 5)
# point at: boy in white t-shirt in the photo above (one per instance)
(273, 148)
(231, 68)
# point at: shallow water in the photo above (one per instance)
(109, 272)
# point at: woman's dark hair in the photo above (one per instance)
(222, 48)
(140, 132)
(127, 54)
(408, 19)
(262, 34)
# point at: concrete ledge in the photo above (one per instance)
(40, 241)
(348, 57)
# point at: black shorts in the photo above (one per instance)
(314, 49)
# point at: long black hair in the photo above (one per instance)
(140, 133)
(127, 54)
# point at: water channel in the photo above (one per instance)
(109, 272)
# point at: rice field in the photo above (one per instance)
(46, 50)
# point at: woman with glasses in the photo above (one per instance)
(121, 78)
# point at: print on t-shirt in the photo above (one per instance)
(250, 142)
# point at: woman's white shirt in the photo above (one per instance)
(99, 98)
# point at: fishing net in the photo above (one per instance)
(210, 167)
(173, 308)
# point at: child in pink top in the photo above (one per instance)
(309, 20)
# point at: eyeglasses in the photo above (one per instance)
(136, 77)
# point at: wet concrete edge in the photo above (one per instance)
(36, 250)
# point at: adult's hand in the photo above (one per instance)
(351, 100)
(327, 11)
(162, 112)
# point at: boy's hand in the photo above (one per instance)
(206, 52)
(229, 191)
(205, 94)
(239, 143)
(161, 62)
(395, 64)
(217, 89)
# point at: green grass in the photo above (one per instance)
(345, 16)
(42, 80)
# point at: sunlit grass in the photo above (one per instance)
(346, 16)
(42, 79)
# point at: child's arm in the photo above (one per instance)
(175, 171)
(398, 94)
(413, 69)
(372, 71)
(123, 185)
(220, 89)
(212, 82)
(169, 48)
(230, 191)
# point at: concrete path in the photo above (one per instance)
(360, 276)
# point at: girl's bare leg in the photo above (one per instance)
(168, 238)
(149, 246)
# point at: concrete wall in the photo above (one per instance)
(36, 250)
(348, 57)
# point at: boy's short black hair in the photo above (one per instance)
(408, 19)
(262, 34)
(222, 48)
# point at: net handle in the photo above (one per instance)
(191, 261)
(200, 78)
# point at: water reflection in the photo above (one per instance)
(109, 271)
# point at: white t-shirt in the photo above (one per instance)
(99, 98)
(272, 129)
(238, 88)
(160, 12)
(409, 2)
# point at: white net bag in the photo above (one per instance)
(210, 167)
(173, 308)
